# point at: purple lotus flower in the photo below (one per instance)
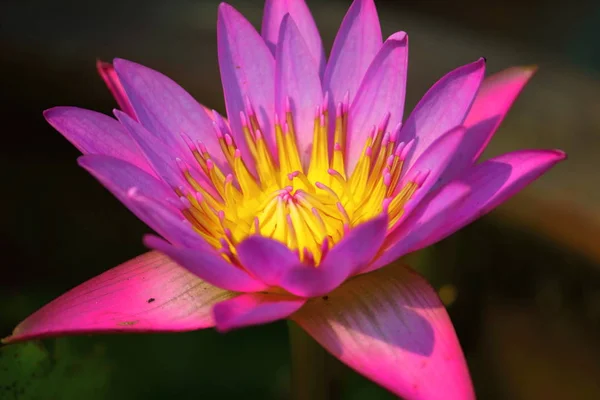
(291, 206)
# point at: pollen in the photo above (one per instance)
(309, 208)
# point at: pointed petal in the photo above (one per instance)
(119, 177)
(273, 15)
(490, 184)
(391, 327)
(266, 259)
(297, 79)
(134, 188)
(382, 91)
(495, 97)
(347, 257)
(95, 133)
(147, 294)
(159, 155)
(437, 210)
(209, 266)
(111, 79)
(497, 94)
(434, 161)
(254, 309)
(165, 109)
(443, 107)
(354, 48)
(247, 71)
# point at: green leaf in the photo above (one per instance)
(30, 371)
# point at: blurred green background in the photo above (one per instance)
(522, 284)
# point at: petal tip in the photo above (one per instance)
(400, 36)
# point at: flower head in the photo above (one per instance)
(314, 177)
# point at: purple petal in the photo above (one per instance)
(209, 266)
(273, 15)
(247, 72)
(254, 309)
(111, 79)
(443, 107)
(391, 327)
(95, 133)
(491, 183)
(147, 294)
(382, 91)
(266, 259)
(436, 211)
(354, 48)
(166, 110)
(297, 79)
(120, 176)
(434, 161)
(159, 155)
(494, 99)
(134, 188)
(347, 257)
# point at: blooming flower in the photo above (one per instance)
(291, 206)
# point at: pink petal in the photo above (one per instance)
(95, 133)
(273, 15)
(134, 188)
(147, 294)
(120, 176)
(254, 309)
(443, 107)
(491, 183)
(437, 210)
(433, 161)
(266, 259)
(158, 154)
(356, 44)
(247, 71)
(209, 266)
(347, 257)
(111, 79)
(166, 110)
(382, 91)
(494, 99)
(297, 79)
(391, 327)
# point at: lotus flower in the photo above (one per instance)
(292, 206)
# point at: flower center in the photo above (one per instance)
(308, 208)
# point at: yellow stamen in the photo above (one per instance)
(308, 208)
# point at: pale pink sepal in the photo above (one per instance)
(273, 15)
(346, 258)
(208, 265)
(495, 97)
(443, 107)
(390, 326)
(95, 133)
(381, 92)
(254, 309)
(149, 293)
(297, 86)
(111, 79)
(247, 74)
(355, 46)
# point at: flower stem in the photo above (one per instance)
(310, 379)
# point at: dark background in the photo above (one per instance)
(522, 284)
